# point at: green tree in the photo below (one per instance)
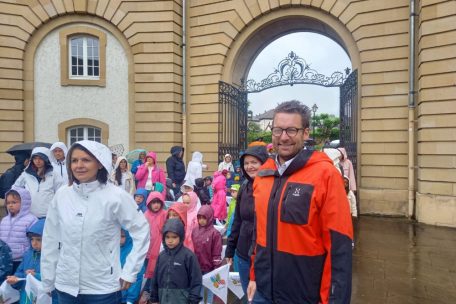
(326, 127)
(254, 131)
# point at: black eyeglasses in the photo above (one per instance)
(292, 132)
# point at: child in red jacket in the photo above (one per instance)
(208, 244)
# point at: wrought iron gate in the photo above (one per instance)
(349, 117)
(232, 128)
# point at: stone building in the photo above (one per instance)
(146, 74)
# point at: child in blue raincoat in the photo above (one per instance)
(131, 295)
(30, 263)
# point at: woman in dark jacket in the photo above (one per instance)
(175, 168)
(240, 239)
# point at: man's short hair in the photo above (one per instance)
(295, 106)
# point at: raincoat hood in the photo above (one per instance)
(193, 202)
(188, 184)
(143, 192)
(37, 228)
(199, 182)
(197, 157)
(119, 159)
(208, 213)
(128, 240)
(176, 150)
(153, 155)
(60, 145)
(343, 152)
(227, 155)
(26, 199)
(255, 151)
(100, 151)
(181, 210)
(153, 195)
(176, 226)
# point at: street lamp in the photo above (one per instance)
(314, 109)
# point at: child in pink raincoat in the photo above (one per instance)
(190, 199)
(219, 199)
(156, 216)
(179, 210)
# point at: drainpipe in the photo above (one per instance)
(184, 75)
(411, 116)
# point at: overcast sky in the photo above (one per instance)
(321, 53)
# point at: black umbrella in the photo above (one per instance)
(26, 147)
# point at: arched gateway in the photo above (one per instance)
(290, 71)
(232, 119)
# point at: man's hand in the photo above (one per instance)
(30, 271)
(251, 289)
(124, 285)
(229, 261)
(144, 299)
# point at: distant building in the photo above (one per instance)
(264, 120)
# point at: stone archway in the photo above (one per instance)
(263, 31)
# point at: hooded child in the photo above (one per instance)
(347, 168)
(191, 200)
(130, 295)
(231, 208)
(31, 262)
(122, 177)
(141, 198)
(58, 160)
(208, 244)
(150, 173)
(226, 164)
(156, 216)
(8, 177)
(195, 168)
(219, 199)
(40, 180)
(13, 227)
(202, 192)
(179, 211)
(177, 278)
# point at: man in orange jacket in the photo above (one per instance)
(303, 241)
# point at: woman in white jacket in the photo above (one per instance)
(122, 177)
(40, 180)
(80, 252)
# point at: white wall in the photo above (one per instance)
(55, 103)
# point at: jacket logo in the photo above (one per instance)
(297, 192)
(177, 264)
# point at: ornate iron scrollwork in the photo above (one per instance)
(294, 70)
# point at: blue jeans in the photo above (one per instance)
(110, 298)
(210, 295)
(244, 272)
(259, 299)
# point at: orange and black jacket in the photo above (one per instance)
(303, 241)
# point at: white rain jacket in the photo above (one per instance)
(42, 191)
(194, 168)
(81, 251)
(59, 167)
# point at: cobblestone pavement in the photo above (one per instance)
(396, 261)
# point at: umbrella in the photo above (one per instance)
(134, 155)
(117, 149)
(27, 147)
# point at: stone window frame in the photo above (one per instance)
(65, 35)
(65, 126)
